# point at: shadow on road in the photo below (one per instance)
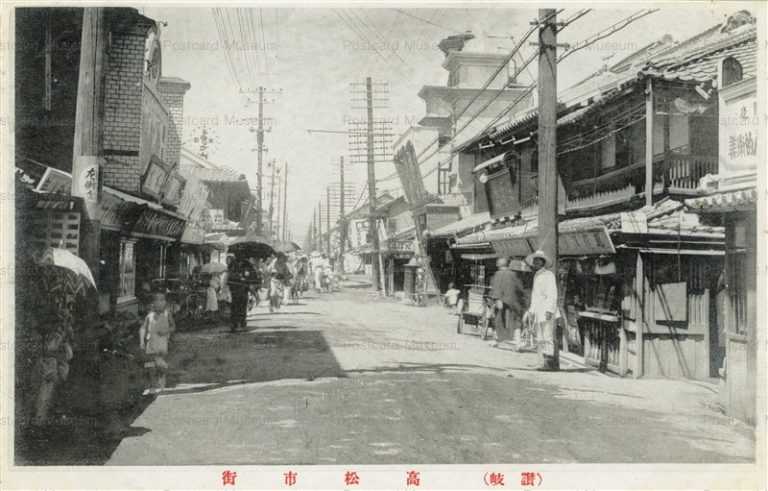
(250, 357)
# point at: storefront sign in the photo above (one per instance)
(401, 245)
(116, 213)
(739, 128)
(154, 178)
(86, 178)
(153, 222)
(173, 189)
(216, 217)
(54, 181)
(586, 242)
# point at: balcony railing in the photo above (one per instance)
(673, 173)
(683, 172)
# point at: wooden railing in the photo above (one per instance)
(683, 172)
(673, 173)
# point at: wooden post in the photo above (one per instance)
(649, 142)
(548, 181)
(87, 155)
(372, 220)
(342, 217)
(260, 144)
(637, 371)
(623, 353)
(328, 220)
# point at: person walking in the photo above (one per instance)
(543, 311)
(211, 297)
(153, 341)
(242, 276)
(225, 295)
(508, 295)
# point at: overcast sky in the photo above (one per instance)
(313, 54)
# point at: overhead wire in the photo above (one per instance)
(477, 95)
(590, 40)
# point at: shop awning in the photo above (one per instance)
(521, 240)
(479, 257)
(681, 252)
(466, 224)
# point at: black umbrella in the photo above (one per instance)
(252, 244)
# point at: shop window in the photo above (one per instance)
(127, 270)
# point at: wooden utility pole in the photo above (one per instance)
(285, 202)
(649, 142)
(271, 199)
(548, 180)
(320, 225)
(279, 214)
(372, 220)
(88, 152)
(260, 149)
(313, 231)
(328, 219)
(342, 218)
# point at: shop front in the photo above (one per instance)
(634, 298)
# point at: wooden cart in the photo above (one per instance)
(476, 311)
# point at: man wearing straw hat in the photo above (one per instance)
(543, 311)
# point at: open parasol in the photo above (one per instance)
(252, 244)
(213, 268)
(62, 258)
(287, 246)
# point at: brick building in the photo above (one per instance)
(145, 202)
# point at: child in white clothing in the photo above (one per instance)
(153, 340)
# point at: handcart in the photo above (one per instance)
(477, 311)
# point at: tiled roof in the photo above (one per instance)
(701, 64)
(668, 216)
(742, 199)
(695, 59)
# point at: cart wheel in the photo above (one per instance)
(486, 326)
(460, 324)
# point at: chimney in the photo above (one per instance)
(172, 91)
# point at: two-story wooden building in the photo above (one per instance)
(638, 271)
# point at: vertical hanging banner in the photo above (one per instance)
(87, 182)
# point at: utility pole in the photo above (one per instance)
(320, 225)
(260, 144)
(342, 218)
(548, 175)
(328, 219)
(372, 220)
(88, 154)
(285, 202)
(271, 199)
(279, 216)
(313, 232)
